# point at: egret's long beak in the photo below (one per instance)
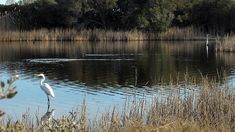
(37, 75)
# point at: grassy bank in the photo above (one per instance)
(100, 35)
(226, 44)
(209, 108)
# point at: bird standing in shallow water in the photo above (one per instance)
(207, 39)
(46, 88)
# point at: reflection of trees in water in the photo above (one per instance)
(15, 51)
(155, 61)
(169, 62)
(89, 72)
(226, 57)
(47, 118)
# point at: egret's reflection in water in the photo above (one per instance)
(1, 114)
(47, 118)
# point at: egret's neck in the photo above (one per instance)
(207, 39)
(43, 79)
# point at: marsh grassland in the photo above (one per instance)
(210, 108)
(188, 33)
(226, 44)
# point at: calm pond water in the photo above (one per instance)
(105, 74)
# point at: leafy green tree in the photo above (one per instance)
(160, 15)
(183, 12)
(231, 20)
(147, 15)
(213, 15)
(50, 13)
(132, 14)
(101, 10)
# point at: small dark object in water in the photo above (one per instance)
(11, 93)
(9, 96)
(2, 84)
(2, 113)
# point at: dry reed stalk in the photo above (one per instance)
(189, 33)
(226, 44)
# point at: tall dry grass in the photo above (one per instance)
(188, 33)
(226, 44)
(210, 108)
(100, 35)
(71, 35)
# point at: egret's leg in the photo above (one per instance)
(48, 107)
(48, 102)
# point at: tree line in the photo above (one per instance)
(217, 16)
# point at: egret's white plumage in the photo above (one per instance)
(207, 39)
(46, 87)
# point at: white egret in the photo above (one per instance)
(207, 39)
(46, 88)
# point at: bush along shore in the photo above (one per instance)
(176, 34)
(208, 108)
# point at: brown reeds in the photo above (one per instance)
(100, 35)
(226, 44)
(209, 108)
(178, 34)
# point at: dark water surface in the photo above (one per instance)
(105, 74)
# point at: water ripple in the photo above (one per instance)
(57, 60)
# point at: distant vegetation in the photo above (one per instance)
(119, 20)
(214, 16)
(100, 35)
